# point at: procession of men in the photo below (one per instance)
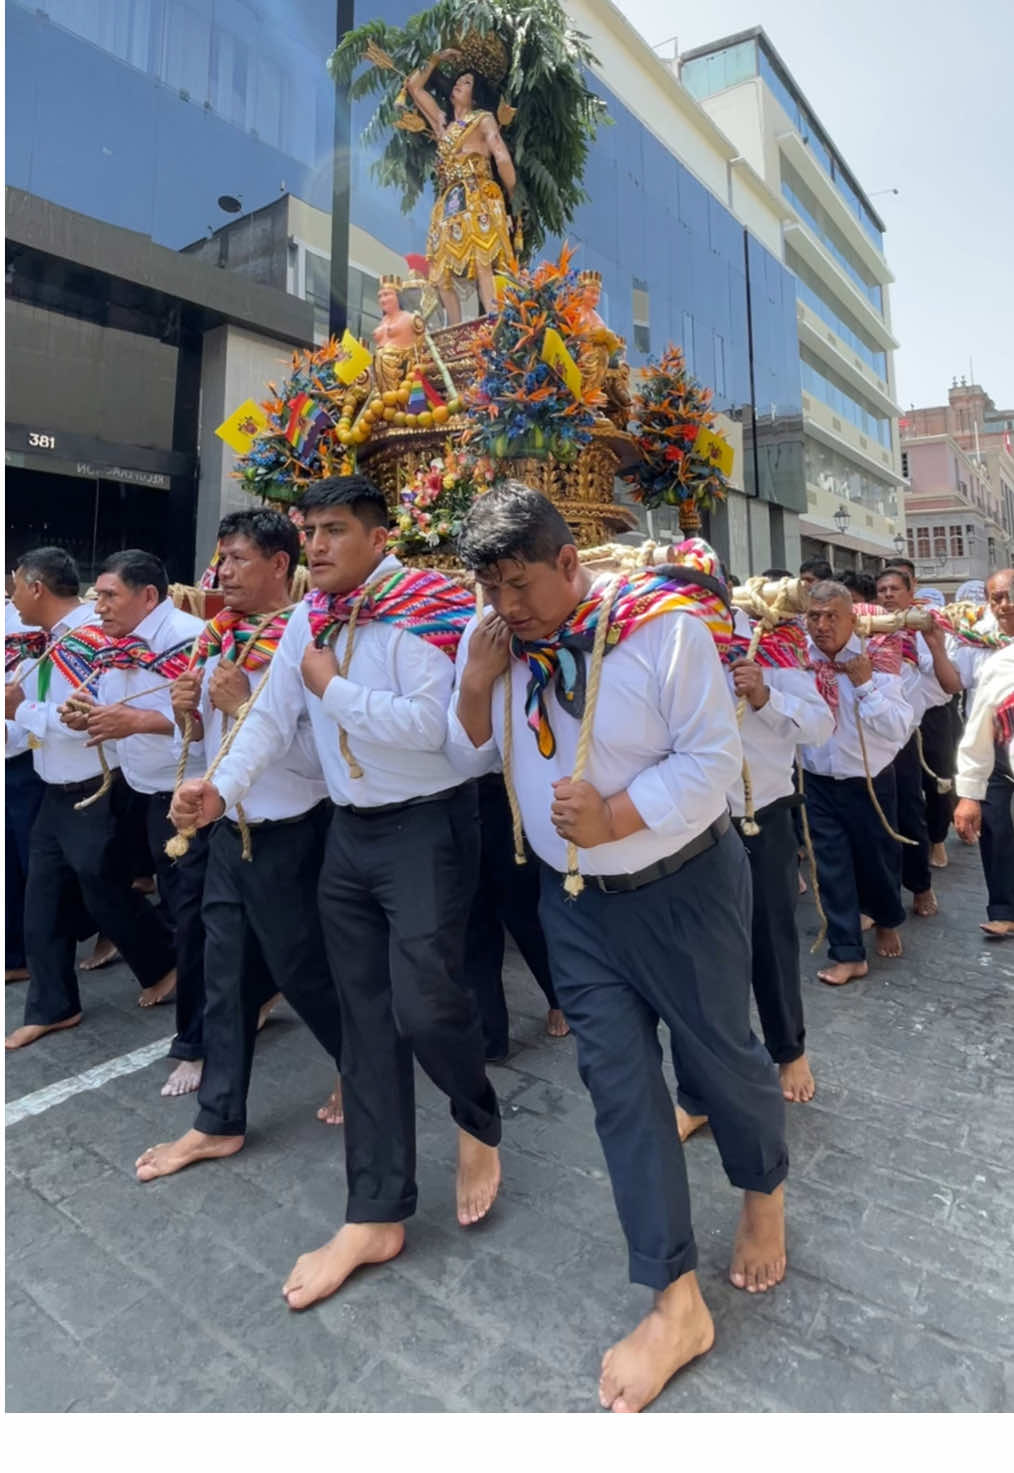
(345, 799)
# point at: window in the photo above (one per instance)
(719, 364)
(642, 315)
(688, 341)
(904, 464)
(922, 542)
(957, 542)
(940, 542)
(911, 543)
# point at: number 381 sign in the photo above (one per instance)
(39, 441)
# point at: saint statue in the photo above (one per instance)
(397, 338)
(601, 359)
(470, 228)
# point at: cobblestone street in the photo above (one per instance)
(901, 1219)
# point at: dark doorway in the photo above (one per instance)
(90, 517)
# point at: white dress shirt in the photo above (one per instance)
(393, 707)
(664, 731)
(968, 659)
(885, 713)
(977, 750)
(147, 759)
(290, 785)
(59, 754)
(15, 735)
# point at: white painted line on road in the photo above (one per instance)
(66, 1089)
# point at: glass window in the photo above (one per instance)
(904, 464)
(703, 76)
(719, 345)
(940, 542)
(911, 543)
(922, 542)
(957, 542)
(689, 352)
(814, 214)
(824, 384)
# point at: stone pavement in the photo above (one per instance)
(165, 1297)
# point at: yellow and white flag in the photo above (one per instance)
(710, 446)
(243, 426)
(357, 357)
(554, 353)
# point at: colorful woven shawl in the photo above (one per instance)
(1003, 721)
(23, 644)
(781, 648)
(229, 634)
(133, 653)
(641, 596)
(420, 600)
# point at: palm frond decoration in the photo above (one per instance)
(548, 114)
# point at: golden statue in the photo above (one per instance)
(470, 228)
(601, 359)
(398, 338)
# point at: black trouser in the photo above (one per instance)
(507, 896)
(996, 842)
(395, 892)
(858, 863)
(908, 776)
(263, 936)
(777, 986)
(23, 790)
(181, 888)
(676, 950)
(941, 732)
(77, 857)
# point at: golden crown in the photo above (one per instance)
(589, 278)
(390, 283)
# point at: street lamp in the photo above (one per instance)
(842, 517)
(899, 543)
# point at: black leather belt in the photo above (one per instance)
(790, 800)
(277, 823)
(622, 884)
(408, 802)
(89, 784)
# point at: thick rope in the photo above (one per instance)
(355, 771)
(178, 845)
(574, 882)
(749, 826)
(899, 838)
(944, 784)
(811, 859)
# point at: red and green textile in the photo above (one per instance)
(229, 633)
(781, 648)
(421, 600)
(133, 653)
(1003, 721)
(23, 644)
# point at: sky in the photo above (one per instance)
(917, 95)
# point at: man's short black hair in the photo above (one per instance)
(54, 568)
(903, 562)
(895, 570)
(776, 573)
(862, 583)
(138, 569)
(358, 493)
(818, 566)
(269, 531)
(514, 523)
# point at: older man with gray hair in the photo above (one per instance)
(858, 861)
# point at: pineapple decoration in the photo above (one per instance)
(684, 462)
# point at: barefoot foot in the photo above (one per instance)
(797, 1080)
(478, 1178)
(104, 954)
(184, 1079)
(332, 1111)
(938, 856)
(843, 972)
(677, 1330)
(758, 1255)
(996, 930)
(267, 1009)
(22, 1037)
(319, 1274)
(888, 942)
(164, 991)
(171, 1156)
(687, 1124)
(801, 885)
(556, 1024)
(866, 922)
(925, 903)
(17, 974)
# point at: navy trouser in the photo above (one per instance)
(777, 985)
(507, 896)
(912, 818)
(263, 936)
(181, 888)
(858, 863)
(394, 892)
(676, 951)
(941, 732)
(996, 842)
(23, 789)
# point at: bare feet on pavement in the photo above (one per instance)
(478, 1179)
(556, 1024)
(687, 1124)
(319, 1274)
(842, 972)
(17, 974)
(22, 1037)
(924, 904)
(997, 930)
(677, 1330)
(163, 991)
(171, 1156)
(938, 856)
(758, 1254)
(888, 942)
(797, 1080)
(866, 922)
(267, 1009)
(103, 955)
(332, 1112)
(184, 1079)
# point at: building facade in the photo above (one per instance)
(833, 244)
(188, 202)
(957, 458)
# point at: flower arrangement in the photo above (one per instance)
(433, 507)
(521, 405)
(673, 425)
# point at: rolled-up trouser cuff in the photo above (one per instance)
(659, 1273)
(188, 1052)
(690, 1103)
(209, 1124)
(1000, 912)
(786, 1055)
(847, 953)
(376, 1209)
(752, 1181)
